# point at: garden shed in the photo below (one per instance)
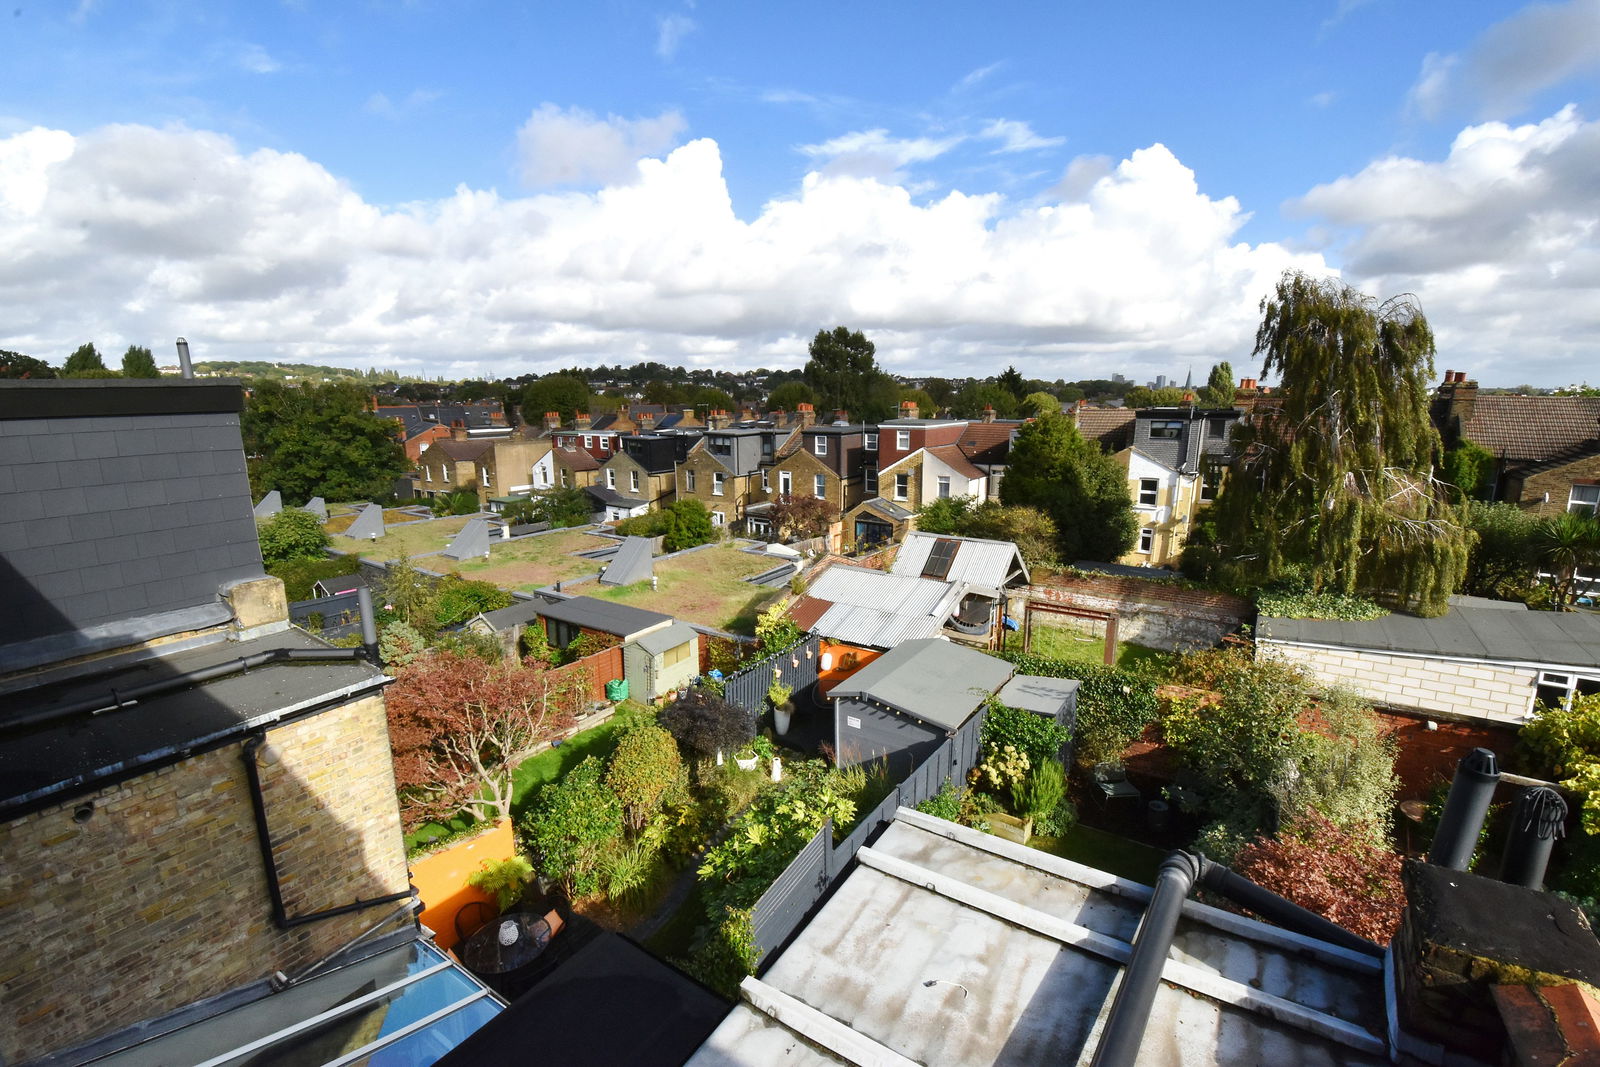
(661, 661)
(1054, 697)
(902, 705)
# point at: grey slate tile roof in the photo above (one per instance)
(930, 678)
(1557, 639)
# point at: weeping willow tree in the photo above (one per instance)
(1334, 480)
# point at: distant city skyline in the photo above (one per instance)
(481, 190)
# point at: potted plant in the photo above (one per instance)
(778, 695)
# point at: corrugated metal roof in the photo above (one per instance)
(874, 627)
(632, 563)
(897, 593)
(977, 561)
(930, 678)
(1558, 639)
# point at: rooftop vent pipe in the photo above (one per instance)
(185, 368)
(1470, 793)
(1537, 819)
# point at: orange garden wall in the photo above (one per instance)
(441, 879)
(826, 680)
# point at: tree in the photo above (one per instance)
(558, 507)
(776, 631)
(802, 517)
(1337, 872)
(462, 501)
(704, 724)
(1011, 381)
(945, 514)
(137, 362)
(844, 375)
(712, 399)
(1082, 489)
(17, 365)
(1467, 469)
(1336, 481)
(83, 359)
(1033, 532)
(1564, 545)
(1039, 404)
(926, 407)
(974, 397)
(1504, 550)
(319, 440)
(461, 599)
(1141, 396)
(291, 534)
(688, 524)
(1564, 743)
(565, 395)
(459, 728)
(790, 395)
(1218, 390)
(570, 825)
(940, 390)
(642, 769)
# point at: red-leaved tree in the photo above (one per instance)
(1334, 871)
(459, 727)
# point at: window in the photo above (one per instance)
(1217, 426)
(870, 477)
(1166, 431)
(718, 519)
(1148, 488)
(484, 476)
(819, 487)
(717, 478)
(871, 443)
(766, 483)
(688, 481)
(588, 440)
(1557, 689)
(1210, 481)
(611, 479)
(902, 486)
(1584, 499)
(633, 481)
(674, 656)
(427, 474)
(785, 483)
(821, 444)
(944, 487)
(448, 473)
(902, 439)
(563, 477)
(560, 634)
(721, 446)
(1147, 539)
(605, 444)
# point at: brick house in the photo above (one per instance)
(196, 800)
(723, 471)
(574, 467)
(514, 468)
(452, 464)
(930, 473)
(831, 462)
(644, 470)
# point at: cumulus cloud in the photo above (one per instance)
(1015, 136)
(560, 146)
(670, 32)
(1500, 239)
(131, 234)
(1539, 47)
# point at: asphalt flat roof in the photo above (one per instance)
(54, 761)
(519, 614)
(602, 615)
(1032, 692)
(930, 678)
(1563, 639)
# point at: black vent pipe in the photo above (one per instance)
(1470, 793)
(1537, 819)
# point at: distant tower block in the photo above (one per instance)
(471, 542)
(270, 505)
(368, 524)
(318, 508)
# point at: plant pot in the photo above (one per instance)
(1010, 827)
(777, 769)
(747, 764)
(783, 717)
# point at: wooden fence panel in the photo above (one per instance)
(798, 666)
(785, 904)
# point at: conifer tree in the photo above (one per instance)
(1334, 481)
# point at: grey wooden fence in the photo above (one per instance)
(331, 616)
(747, 689)
(791, 898)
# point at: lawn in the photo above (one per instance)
(1083, 641)
(706, 586)
(412, 539)
(1106, 852)
(534, 562)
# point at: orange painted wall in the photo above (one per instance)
(441, 879)
(827, 679)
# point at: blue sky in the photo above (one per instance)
(1074, 188)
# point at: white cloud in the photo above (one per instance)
(1323, 99)
(874, 154)
(670, 32)
(381, 105)
(574, 147)
(132, 234)
(1500, 240)
(971, 79)
(1539, 47)
(1015, 136)
(253, 59)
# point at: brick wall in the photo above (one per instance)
(1151, 613)
(159, 898)
(1531, 489)
(1470, 690)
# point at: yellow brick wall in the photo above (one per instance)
(159, 899)
(1530, 492)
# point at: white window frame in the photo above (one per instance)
(484, 476)
(449, 475)
(902, 440)
(1565, 681)
(821, 444)
(718, 518)
(588, 440)
(902, 486)
(717, 479)
(1147, 540)
(871, 441)
(611, 478)
(564, 484)
(766, 482)
(427, 474)
(1590, 507)
(605, 444)
(785, 483)
(869, 476)
(633, 481)
(819, 486)
(1149, 492)
(943, 484)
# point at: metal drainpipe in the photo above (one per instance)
(258, 805)
(369, 627)
(1538, 818)
(1470, 793)
(1275, 909)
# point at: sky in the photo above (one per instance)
(475, 189)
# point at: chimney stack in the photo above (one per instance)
(988, 413)
(841, 417)
(581, 421)
(908, 409)
(805, 415)
(552, 420)
(647, 421)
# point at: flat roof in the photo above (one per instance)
(930, 678)
(1033, 692)
(658, 641)
(603, 615)
(1553, 638)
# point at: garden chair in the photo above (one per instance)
(472, 917)
(1112, 781)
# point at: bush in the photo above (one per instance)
(643, 766)
(1349, 776)
(688, 524)
(1039, 737)
(704, 725)
(1058, 821)
(775, 631)
(1308, 605)
(727, 955)
(650, 524)
(299, 576)
(1565, 744)
(1337, 873)
(569, 826)
(460, 599)
(1045, 788)
(1003, 769)
(1114, 705)
(291, 534)
(504, 880)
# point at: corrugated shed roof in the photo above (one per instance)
(1533, 427)
(632, 563)
(977, 561)
(874, 627)
(1557, 639)
(808, 610)
(930, 678)
(658, 641)
(862, 587)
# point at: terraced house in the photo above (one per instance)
(827, 462)
(1175, 463)
(728, 470)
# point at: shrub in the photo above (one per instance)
(1348, 776)
(1337, 873)
(1038, 795)
(460, 599)
(504, 880)
(569, 826)
(400, 644)
(1308, 605)
(688, 524)
(1039, 737)
(1058, 821)
(650, 524)
(1002, 770)
(1565, 743)
(299, 576)
(775, 631)
(644, 764)
(704, 724)
(629, 873)
(1114, 705)
(726, 955)
(291, 534)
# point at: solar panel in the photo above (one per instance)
(940, 556)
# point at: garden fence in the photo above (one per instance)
(796, 666)
(331, 616)
(790, 899)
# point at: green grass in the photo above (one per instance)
(534, 562)
(1106, 852)
(1064, 643)
(707, 586)
(411, 539)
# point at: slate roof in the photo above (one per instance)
(519, 614)
(952, 457)
(887, 508)
(1112, 427)
(604, 616)
(612, 498)
(987, 442)
(630, 564)
(1547, 638)
(1534, 428)
(930, 678)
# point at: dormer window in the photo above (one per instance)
(871, 442)
(902, 439)
(821, 443)
(1166, 431)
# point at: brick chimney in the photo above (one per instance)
(908, 409)
(647, 421)
(805, 415)
(716, 419)
(458, 432)
(988, 413)
(581, 421)
(841, 417)
(777, 417)
(552, 420)
(1454, 402)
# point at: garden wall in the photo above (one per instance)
(1466, 689)
(1151, 613)
(441, 879)
(602, 667)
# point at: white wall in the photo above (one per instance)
(1476, 690)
